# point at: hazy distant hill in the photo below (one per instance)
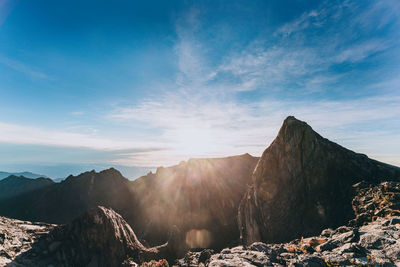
(16, 185)
(25, 174)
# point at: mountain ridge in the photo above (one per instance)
(25, 174)
(13, 185)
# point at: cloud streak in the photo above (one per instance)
(231, 98)
(22, 67)
(232, 128)
(206, 112)
(23, 134)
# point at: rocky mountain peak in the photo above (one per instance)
(112, 172)
(293, 128)
(302, 184)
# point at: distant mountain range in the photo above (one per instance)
(24, 174)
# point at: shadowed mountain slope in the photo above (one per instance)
(302, 184)
(15, 185)
(200, 196)
(61, 202)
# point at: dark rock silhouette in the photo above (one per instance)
(303, 184)
(16, 185)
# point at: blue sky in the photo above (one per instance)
(95, 84)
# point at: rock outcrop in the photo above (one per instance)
(303, 184)
(375, 200)
(100, 237)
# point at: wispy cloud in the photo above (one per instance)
(218, 128)
(23, 134)
(222, 105)
(203, 116)
(22, 67)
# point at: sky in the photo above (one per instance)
(141, 84)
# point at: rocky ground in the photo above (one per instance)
(371, 239)
(17, 236)
(374, 244)
(101, 237)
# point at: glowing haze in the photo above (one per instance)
(86, 83)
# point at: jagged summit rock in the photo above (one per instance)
(110, 173)
(100, 237)
(302, 184)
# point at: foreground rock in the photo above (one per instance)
(100, 237)
(17, 237)
(372, 201)
(376, 243)
(303, 184)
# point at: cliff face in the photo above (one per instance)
(302, 184)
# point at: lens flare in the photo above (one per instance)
(198, 238)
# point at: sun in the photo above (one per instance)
(195, 141)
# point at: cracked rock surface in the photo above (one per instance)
(17, 236)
